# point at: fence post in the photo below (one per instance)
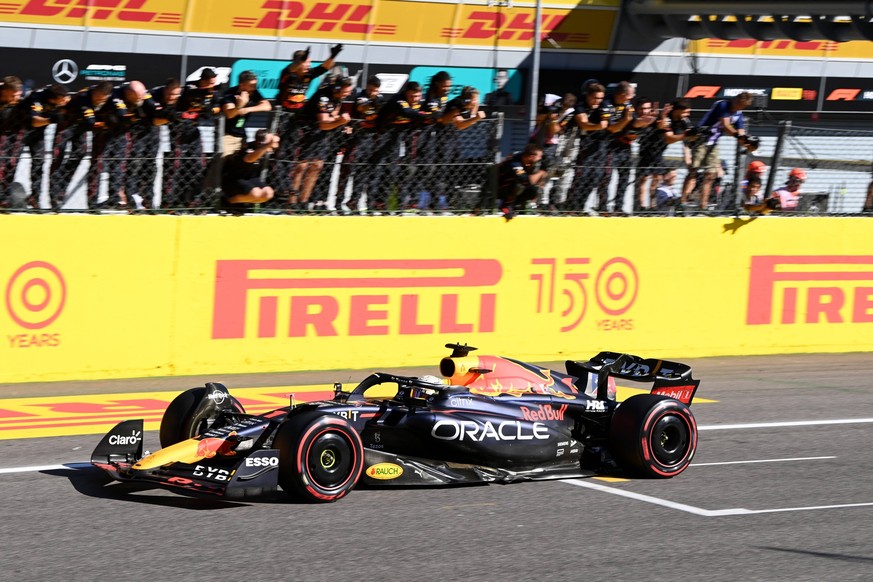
(212, 181)
(487, 201)
(784, 129)
(739, 160)
(272, 127)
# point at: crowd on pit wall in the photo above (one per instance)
(396, 153)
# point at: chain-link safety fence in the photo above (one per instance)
(435, 169)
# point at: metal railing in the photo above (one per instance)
(433, 169)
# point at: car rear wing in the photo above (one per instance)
(669, 378)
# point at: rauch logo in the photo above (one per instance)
(322, 312)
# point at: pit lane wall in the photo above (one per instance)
(89, 297)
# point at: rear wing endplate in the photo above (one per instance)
(669, 378)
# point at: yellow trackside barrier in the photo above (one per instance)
(127, 296)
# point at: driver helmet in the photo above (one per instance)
(420, 392)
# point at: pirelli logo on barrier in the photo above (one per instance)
(810, 289)
(299, 298)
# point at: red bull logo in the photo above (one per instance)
(814, 288)
(209, 447)
(321, 312)
(544, 412)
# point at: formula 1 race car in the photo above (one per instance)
(491, 419)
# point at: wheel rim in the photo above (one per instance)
(670, 440)
(330, 459)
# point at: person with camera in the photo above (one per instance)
(725, 117)
(241, 182)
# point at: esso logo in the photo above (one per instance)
(262, 461)
(35, 295)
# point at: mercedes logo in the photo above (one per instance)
(65, 71)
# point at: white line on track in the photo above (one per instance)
(45, 468)
(761, 461)
(785, 424)
(698, 510)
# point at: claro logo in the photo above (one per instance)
(318, 297)
(810, 288)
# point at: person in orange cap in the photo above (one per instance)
(783, 198)
(789, 194)
(751, 184)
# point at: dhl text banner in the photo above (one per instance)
(817, 49)
(218, 295)
(385, 21)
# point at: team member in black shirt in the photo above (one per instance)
(294, 83)
(119, 115)
(398, 116)
(360, 147)
(142, 167)
(79, 119)
(519, 178)
(183, 183)
(321, 117)
(591, 120)
(37, 111)
(237, 104)
(241, 182)
(10, 130)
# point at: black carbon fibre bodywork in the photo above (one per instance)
(508, 421)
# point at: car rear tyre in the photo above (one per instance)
(653, 436)
(321, 456)
(180, 421)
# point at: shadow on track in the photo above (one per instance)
(828, 555)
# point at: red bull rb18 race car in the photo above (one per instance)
(488, 419)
